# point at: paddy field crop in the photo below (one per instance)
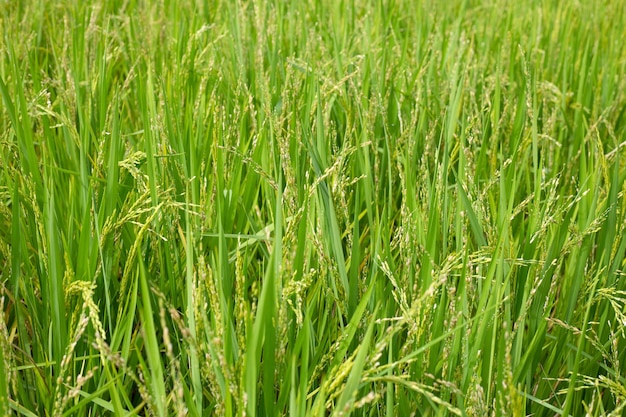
(312, 208)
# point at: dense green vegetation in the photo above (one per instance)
(312, 208)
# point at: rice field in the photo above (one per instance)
(312, 208)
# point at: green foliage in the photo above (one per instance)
(312, 208)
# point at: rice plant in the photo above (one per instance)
(313, 208)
